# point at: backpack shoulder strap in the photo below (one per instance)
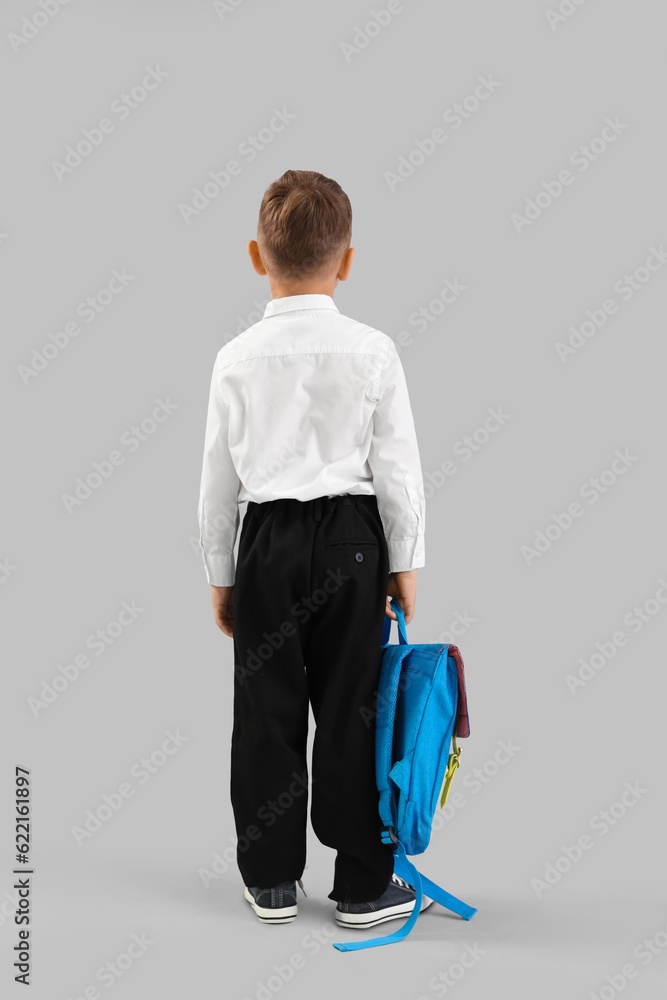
(390, 676)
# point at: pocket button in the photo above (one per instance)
(359, 556)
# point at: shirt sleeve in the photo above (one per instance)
(395, 464)
(218, 498)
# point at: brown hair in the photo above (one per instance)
(305, 224)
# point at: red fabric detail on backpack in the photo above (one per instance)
(462, 721)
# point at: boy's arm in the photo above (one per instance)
(395, 464)
(218, 498)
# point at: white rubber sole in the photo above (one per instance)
(372, 919)
(281, 915)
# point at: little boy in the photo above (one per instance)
(309, 421)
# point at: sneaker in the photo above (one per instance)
(398, 900)
(276, 905)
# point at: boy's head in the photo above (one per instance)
(303, 234)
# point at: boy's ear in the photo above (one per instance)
(345, 264)
(253, 251)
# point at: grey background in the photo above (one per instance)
(134, 539)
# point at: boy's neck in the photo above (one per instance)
(279, 291)
(317, 286)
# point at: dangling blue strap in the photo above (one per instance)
(406, 870)
(414, 879)
(400, 618)
(437, 894)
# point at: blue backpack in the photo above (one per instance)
(421, 709)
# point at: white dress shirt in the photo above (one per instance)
(308, 403)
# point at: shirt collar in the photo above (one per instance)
(290, 303)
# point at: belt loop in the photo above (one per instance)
(317, 508)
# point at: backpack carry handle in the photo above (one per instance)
(402, 635)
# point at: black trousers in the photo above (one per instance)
(309, 608)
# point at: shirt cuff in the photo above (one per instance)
(406, 554)
(220, 570)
